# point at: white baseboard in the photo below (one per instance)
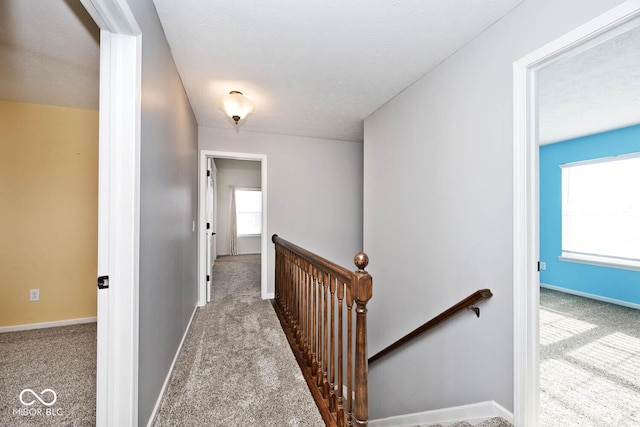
(43, 325)
(243, 253)
(473, 413)
(591, 296)
(166, 380)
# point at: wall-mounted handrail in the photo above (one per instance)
(467, 303)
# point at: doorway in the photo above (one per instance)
(214, 204)
(526, 200)
(118, 169)
(211, 218)
(49, 195)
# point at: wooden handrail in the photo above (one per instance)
(315, 301)
(317, 260)
(466, 303)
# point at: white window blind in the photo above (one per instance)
(601, 208)
(249, 211)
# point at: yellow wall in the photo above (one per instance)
(48, 212)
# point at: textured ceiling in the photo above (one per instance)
(593, 90)
(314, 68)
(49, 53)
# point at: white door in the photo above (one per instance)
(211, 214)
(118, 229)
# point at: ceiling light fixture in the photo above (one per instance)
(236, 105)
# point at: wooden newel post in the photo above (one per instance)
(362, 287)
(278, 272)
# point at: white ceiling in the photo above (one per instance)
(49, 53)
(593, 90)
(314, 68)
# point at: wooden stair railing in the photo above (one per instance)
(467, 303)
(315, 300)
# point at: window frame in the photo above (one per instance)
(589, 258)
(261, 213)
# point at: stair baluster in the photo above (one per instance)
(311, 296)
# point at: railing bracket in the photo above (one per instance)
(476, 310)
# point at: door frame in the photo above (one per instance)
(202, 187)
(214, 222)
(118, 213)
(526, 238)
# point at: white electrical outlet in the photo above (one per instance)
(34, 294)
(543, 265)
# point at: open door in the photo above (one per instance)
(211, 214)
(204, 256)
(526, 237)
(118, 216)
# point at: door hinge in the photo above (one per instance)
(207, 277)
(103, 282)
(538, 265)
(208, 226)
(208, 173)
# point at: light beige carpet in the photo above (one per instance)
(491, 422)
(589, 362)
(236, 367)
(61, 359)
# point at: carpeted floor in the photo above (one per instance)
(589, 362)
(236, 367)
(61, 359)
(491, 422)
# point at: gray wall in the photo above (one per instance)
(241, 173)
(168, 205)
(438, 216)
(314, 190)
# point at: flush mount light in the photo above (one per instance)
(236, 105)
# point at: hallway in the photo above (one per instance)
(235, 367)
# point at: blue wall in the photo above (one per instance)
(607, 282)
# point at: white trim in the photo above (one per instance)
(591, 296)
(525, 208)
(242, 253)
(113, 16)
(119, 188)
(104, 194)
(58, 323)
(202, 250)
(597, 160)
(156, 407)
(473, 413)
(124, 230)
(601, 261)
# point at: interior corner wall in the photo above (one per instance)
(168, 208)
(241, 173)
(48, 212)
(314, 190)
(612, 283)
(438, 206)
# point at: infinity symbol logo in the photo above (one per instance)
(45, 391)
